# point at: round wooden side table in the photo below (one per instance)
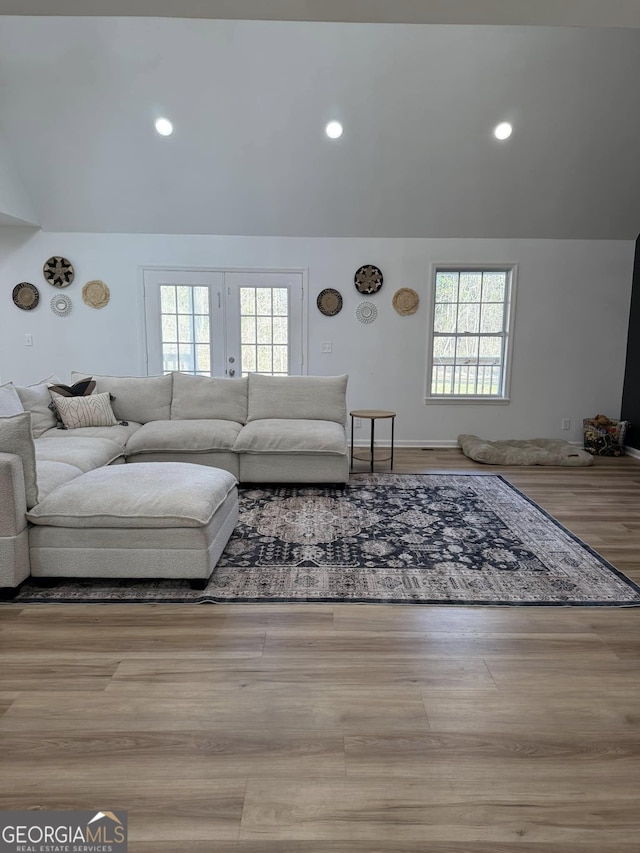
(373, 415)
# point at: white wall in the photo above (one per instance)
(570, 330)
(15, 205)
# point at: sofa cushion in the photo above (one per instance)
(320, 398)
(37, 400)
(84, 453)
(120, 433)
(137, 398)
(93, 410)
(54, 474)
(184, 436)
(198, 397)
(150, 494)
(277, 435)
(16, 436)
(9, 401)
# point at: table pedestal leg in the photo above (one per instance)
(372, 428)
(393, 420)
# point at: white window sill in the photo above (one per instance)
(468, 401)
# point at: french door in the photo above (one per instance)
(224, 322)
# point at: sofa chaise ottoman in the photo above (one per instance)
(151, 520)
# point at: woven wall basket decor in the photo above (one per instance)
(329, 302)
(405, 301)
(25, 295)
(95, 294)
(58, 271)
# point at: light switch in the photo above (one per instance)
(326, 346)
(28, 339)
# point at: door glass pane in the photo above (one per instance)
(203, 359)
(280, 330)
(169, 327)
(180, 327)
(265, 364)
(201, 300)
(248, 330)
(263, 300)
(185, 328)
(264, 330)
(249, 363)
(169, 357)
(187, 358)
(247, 301)
(168, 299)
(185, 299)
(280, 301)
(280, 360)
(202, 329)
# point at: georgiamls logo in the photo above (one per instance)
(100, 815)
(63, 832)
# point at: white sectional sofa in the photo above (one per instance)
(258, 429)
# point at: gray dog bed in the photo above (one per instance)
(532, 451)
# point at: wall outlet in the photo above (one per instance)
(326, 346)
(566, 423)
(357, 423)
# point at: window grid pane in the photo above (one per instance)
(469, 333)
(185, 318)
(264, 330)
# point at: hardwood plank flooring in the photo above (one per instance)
(344, 728)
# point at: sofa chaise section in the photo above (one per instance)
(155, 520)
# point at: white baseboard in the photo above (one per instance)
(429, 443)
(444, 443)
(631, 451)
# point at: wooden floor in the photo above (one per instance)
(344, 728)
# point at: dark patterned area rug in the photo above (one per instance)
(387, 538)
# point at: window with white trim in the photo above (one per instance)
(470, 336)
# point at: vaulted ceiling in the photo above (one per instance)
(249, 101)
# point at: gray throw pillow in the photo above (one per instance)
(16, 438)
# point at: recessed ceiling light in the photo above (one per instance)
(333, 130)
(164, 127)
(503, 130)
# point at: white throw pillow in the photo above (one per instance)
(36, 399)
(92, 411)
(9, 401)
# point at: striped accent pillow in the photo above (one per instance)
(92, 411)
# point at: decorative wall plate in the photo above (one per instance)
(405, 301)
(25, 295)
(329, 302)
(368, 279)
(95, 294)
(58, 271)
(366, 312)
(61, 305)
